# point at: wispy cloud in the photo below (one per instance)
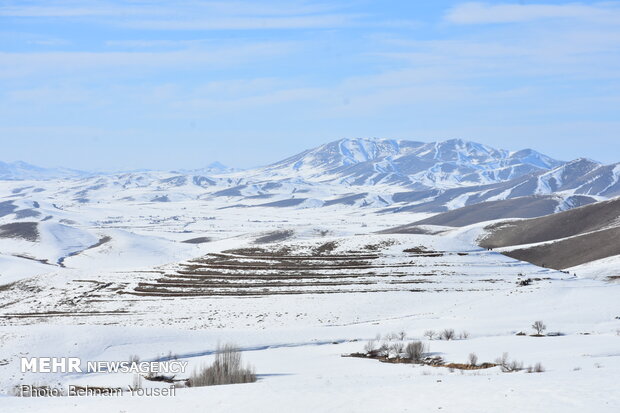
(245, 23)
(18, 64)
(487, 13)
(72, 8)
(192, 15)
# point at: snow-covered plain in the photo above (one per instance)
(120, 291)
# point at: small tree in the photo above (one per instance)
(473, 359)
(402, 335)
(430, 334)
(540, 327)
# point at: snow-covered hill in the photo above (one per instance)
(22, 170)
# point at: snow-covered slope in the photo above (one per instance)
(563, 240)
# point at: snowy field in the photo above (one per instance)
(296, 289)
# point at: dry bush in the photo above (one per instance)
(402, 336)
(415, 350)
(447, 334)
(430, 334)
(464, 335)
(538, 368)
(226, 369)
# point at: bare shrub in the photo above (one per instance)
(539, 326)
(415, 350)
(402, 336)
(464, 335)
(447, 334)
(134, 358)
(397, 348)
(515, 366)
(502, 361)
(473, 359)
(371, 346)
(384, 350)
(430, 334)
(508, 366)
(226, 369)
(538, 368)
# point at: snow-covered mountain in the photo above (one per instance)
(391, 175)
(447, 164)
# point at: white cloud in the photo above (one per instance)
(485, 13)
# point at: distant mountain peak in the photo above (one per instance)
(217, 165)
(214, 168)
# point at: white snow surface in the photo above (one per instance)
(89, 306)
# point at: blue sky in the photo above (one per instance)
(179, 84)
